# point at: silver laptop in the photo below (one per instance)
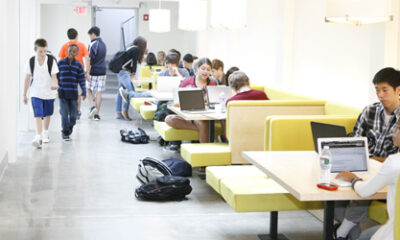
(213, 93)
(348, 154)
(191, 100)
(165, 87)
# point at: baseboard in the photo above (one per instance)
(3, 165)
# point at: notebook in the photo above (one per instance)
(348, 154)
(324, 130)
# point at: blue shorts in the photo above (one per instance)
(42, 107)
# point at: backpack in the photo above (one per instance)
(149, 169)
(164, 188)
(50, 61)
(162, 111)
(178, 167)
(119, 60)
(135, 137)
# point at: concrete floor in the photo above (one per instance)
(84, 189)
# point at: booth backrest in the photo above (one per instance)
(293, 133)
(246, 120)
(257, 87)
(332, 108)
(276, 94)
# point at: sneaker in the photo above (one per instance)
(45, 137)
(96, 117)
(78, 116)
(172, 147)
(124, 94)
(37, 141)
(92, 112)
(66, 137)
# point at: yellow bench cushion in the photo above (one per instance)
(137, 102)
(215, 174)
(206, 154)
(377, 211)
(147, 111)
(260, 194)
(171, 134)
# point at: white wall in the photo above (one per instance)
(56, 19)
(287, 44)
(9, 82)
(183, 41)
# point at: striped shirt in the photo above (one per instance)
(371, 124)
(71, 73)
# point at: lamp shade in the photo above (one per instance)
(192, 15)
(228, 14)
(159, 20)
(358, 12)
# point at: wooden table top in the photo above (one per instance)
(197, 116)
(298, 172)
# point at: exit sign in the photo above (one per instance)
(80, 10)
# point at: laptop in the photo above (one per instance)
(191, 100)
(165, 87)
(324, 130)
(213, 93)
(348, 154)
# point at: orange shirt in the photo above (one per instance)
(82, 51)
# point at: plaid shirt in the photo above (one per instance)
(371, 124)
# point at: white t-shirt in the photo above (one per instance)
(41, 85)
(386, 117)
(386, 176)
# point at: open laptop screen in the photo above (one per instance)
(348, 154)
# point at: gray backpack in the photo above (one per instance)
(150, 169)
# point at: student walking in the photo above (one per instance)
(42, 81)
(97, 72)
(71, 74)
(82, 54)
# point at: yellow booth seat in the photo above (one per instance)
(171, 134)
(277, 94)
(214, 174)
(137, 102)
(147, 111)
(396, 223)
(206, 154)
(260, 194)
(377, 211)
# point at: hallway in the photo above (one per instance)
(84, 189)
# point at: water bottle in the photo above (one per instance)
(325, 160)
(222, 100)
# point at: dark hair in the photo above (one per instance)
(94, 30)
(172, 58)
(151, 59)
(40, 43)
(216, 64)
(188, 58)
(72, 33)
(229, 72)
(177, 52)
(202, 61)
(141, 43)
(238, 79)
(388, 75)
(195, 58)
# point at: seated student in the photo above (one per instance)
(200, 80)
(161, 58)
(376, 122)
(151, 60)
(240, 85)
(172, 61)
(188, 63)
(218, 72)
(229, 72)
(386, 176)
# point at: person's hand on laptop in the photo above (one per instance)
(346, 176)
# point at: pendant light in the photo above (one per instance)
(159, 20)
(192, 15)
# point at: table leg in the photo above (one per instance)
(211, 131)
(273, 229)
(329, 211)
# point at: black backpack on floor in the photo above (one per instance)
(164, 188)
(134, 136)
(149, 169)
